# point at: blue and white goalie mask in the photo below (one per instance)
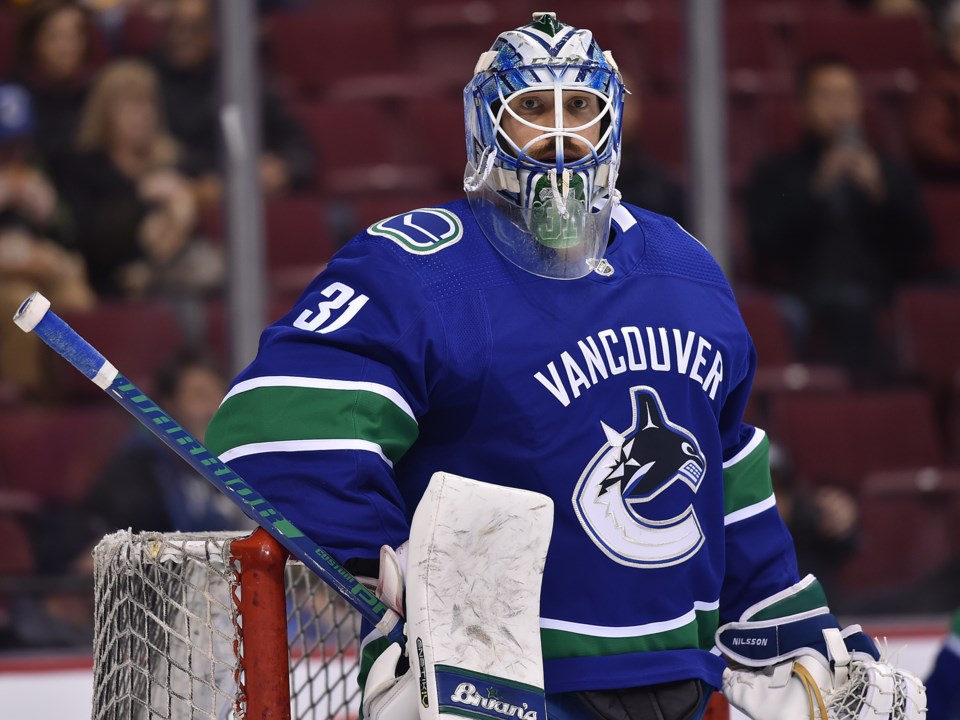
(543, 146)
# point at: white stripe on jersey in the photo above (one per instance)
(749, 511)
(629, 630)
(758, 436)
(303, 446)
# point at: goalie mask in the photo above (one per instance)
(543, 147)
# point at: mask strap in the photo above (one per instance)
(560, 193)
(484, 168)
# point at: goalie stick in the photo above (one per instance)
(34, 315)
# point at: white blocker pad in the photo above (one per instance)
(474, 569)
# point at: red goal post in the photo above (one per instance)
(218, 626)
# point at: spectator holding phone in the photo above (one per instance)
(835, 226)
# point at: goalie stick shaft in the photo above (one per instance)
(35, 315)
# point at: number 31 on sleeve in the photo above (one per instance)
(326, 318)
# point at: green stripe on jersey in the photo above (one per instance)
(698, 633)
(748, 481)
(278, 413)
(809, 598)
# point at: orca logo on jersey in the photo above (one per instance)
(631, 469)
(421, 232)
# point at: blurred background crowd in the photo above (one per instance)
(843, 137)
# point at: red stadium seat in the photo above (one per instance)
(217, 332)
(768, 328)
(842, 437)
(755, 58)
(662, 133)
(140, 34)
(8, 28)
(299, 239)
(56, 453)
(943, 206)
(349, 134)
(369, 209)
(888, 49)
(778, 371)
(354, 43)
(136, 337)
(439, 130)
(926, 321)
(447, 39)
(17, 555)
(909, 527)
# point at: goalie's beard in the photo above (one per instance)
(545, 151)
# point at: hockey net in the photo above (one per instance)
(217, 626)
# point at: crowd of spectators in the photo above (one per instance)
(110, 192)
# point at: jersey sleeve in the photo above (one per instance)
(331, 402)
(760, 557)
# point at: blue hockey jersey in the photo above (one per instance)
(620, 395)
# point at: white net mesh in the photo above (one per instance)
(877, 690)
(168, 636)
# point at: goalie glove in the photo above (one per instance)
(390, 691)
(801, 666)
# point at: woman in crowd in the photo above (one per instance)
(134, 213)
(53, 59)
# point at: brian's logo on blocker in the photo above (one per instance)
(632, 468)
(466, 694)
(486, 697)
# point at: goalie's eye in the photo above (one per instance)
(530, 105)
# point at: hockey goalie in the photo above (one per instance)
(542, 338)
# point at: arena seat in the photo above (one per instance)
(299, 238)
(136, 337)
(355, 43)
(56, 453)
(755, 58)
(352, 134)
(778, 369)
(662, 132)
(909, 527)
(842, 437)
(8, 28)
(440, 139)
(929, 349)
(768, 328)
(17, 555)
(217, 332)
(926, 320)
(885, 46)
(140, 34)
(446, 39)
(370, 208)
(943, 206)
